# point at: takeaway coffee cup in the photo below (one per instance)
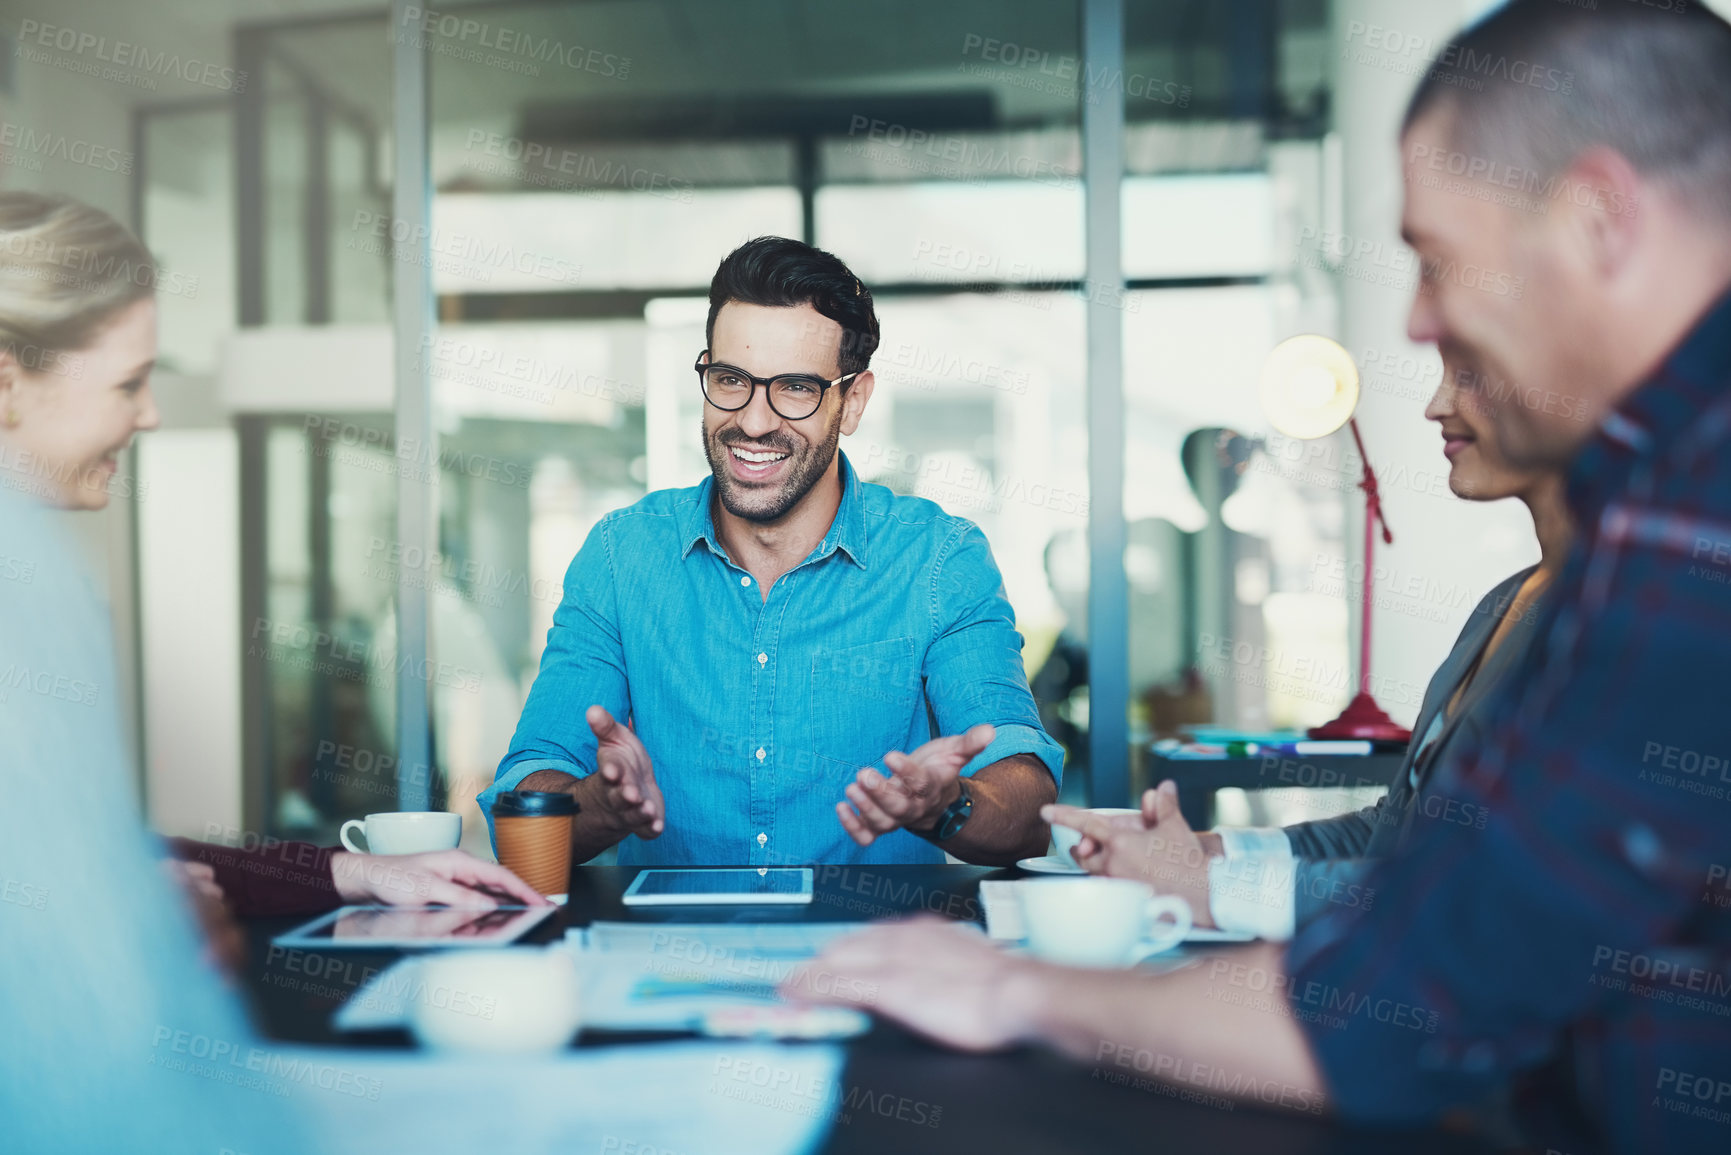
(1100, 922)
(405, 832)
(532, 830)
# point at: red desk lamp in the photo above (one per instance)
(1309, 389)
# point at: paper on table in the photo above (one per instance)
(668, 976)
(685, 1097)
(382, 1003)
(1004, 915)
(701, 939)
(638, 976)
(617, 992)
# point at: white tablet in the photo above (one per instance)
(414, 927)
(745, 885)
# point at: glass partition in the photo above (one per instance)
(308, 382)
(630, 189)
(588, 173)
(1226, 168)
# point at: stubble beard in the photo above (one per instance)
(806, 465)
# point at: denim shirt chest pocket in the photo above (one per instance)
(864, 700)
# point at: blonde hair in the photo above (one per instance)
(65, 270)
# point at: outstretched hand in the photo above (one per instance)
(917, 791)
(629, 798)
(1157, 847)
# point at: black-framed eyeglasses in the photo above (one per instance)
(793, 396)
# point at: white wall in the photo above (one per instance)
(1456, 545)
(1458, 549)
(189, 601)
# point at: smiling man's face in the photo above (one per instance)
(764, 464)
(1508, 297)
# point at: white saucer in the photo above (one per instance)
(1050, 864)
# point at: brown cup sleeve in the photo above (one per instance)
(536, 849)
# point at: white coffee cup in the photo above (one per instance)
(1064, 838)
(510, 1000)
(405, 832)
(1100, 922)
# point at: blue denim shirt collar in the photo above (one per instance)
(846, 533)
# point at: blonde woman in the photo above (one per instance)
(77, 345)
(93, 977)
(96, 953)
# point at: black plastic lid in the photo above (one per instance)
(534, 804)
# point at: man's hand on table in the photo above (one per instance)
(1157, 847)
(920, 787)
(950, 983)
(448, 877)
(942, 979)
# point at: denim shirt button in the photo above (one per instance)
(744, 580)
(762, 838)
(760, 754)
(762, 659)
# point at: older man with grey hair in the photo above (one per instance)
(1562, 960)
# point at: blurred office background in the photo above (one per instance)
(589, 162)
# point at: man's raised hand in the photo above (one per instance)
(629, 795)
(920, 786)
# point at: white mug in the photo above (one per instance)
(1100, 922)
(405, 832)
(1064, 838)
(508, 1000)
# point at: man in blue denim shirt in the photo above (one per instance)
(730, 661)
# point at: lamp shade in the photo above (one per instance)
(1309, 386)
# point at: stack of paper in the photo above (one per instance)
(669, 976)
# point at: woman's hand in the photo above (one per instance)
(224, 943)
(445, 877)
(1160, 849)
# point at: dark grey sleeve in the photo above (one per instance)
(1343, 836)
(1322, 886)
(1375, 831)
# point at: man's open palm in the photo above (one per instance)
(629, 795)
(920, 786)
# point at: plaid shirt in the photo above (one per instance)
(1555, 940)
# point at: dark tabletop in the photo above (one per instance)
(901, 1094)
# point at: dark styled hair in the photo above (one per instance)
(781, 273)
(1537, 82)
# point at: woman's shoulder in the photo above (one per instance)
(1497, 603)
(49, 608)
